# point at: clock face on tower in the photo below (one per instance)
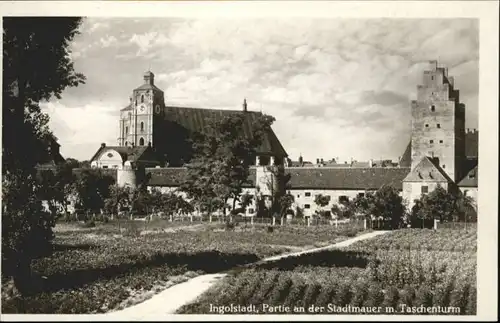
(141, 109)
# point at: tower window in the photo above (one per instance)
(142, 126)
(431, 141)
(433, 107)
(141, 142)
(439, 125)
(142, 98)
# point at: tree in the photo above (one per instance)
(91, 189)
(321, 201)
(444, 205)
(56, 187)
(36, 67)
(222, 157)
(118, 200)
(384, 204)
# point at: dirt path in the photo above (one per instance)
(171, 299)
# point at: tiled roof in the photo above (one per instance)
(427, 170)
(174, 176)
(132, 154)
(148, 87)
(196, 120)
(470, 180)
(406, 158)
(346, 178)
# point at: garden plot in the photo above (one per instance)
(367, 275)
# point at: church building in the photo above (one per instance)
(154, 146)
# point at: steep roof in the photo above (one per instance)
(132, 154)
(428, 170)
(470, 179)
(406, 157)
(197, 119)
(346, 178)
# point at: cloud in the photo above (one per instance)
(337, 87)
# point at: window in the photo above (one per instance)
(142, 98)
(424, 189)
(308, 194)
(440, 141)
(431, 141)
(439, 125)
(433, 108)
(432, 77)
(104, 166)
(126, 130)
(141, 142)
(444, 166)
(427, 125)
(361, 194)
(298, 195)
(250, 210)
(115, 166)
(465, 192)
(126, 143)
(142, 126)
(307, 206)
(472, 175)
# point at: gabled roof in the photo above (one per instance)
(195, 120)
(346, 178)
(406, 157)
(470, 179)
(428, 170)
(132, 154)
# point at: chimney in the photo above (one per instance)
(322, 162)
(103, 145)
(245, 105)
(317, 161)
(301, 160)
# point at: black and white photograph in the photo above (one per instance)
(159, 163)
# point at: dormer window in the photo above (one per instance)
(438, 125)
(472, 175)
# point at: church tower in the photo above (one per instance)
(138, 118)
(438, 123)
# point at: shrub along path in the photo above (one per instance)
(171, 299)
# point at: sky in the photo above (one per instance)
(338, 88)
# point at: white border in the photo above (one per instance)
(486, 11)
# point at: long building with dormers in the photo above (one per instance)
(154, 145)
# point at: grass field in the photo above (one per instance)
(403, 272)
(111, 266)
